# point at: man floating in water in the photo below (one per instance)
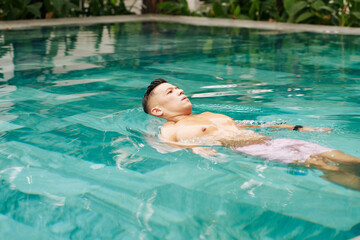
(187, 130)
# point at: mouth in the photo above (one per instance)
(184, 98)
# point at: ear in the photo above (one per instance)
(156, 111)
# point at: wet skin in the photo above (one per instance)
(187, 130)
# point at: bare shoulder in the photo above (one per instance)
(168, 131)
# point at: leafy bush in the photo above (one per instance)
(330, 12)
(336, 12)
(19, 9)
(28, 9)
(179, 7)
(61, 8)
(242, 9)
(106, 7)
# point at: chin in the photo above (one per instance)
(189, 110)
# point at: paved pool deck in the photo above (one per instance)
(200, 21)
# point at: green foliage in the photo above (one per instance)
(28, 9)
(336, 12)
(19, 9)
(245, 9)
(329, 12)
(62, 8)
(179, 7)
(106, 7)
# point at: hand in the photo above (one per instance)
(202, 151)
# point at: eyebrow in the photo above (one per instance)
(170, 88)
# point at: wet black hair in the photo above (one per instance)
(149, 89)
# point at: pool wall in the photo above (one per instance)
(200, 21)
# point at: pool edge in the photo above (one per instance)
(199, 21)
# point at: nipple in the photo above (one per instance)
(203, 129)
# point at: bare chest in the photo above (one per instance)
(201, 127)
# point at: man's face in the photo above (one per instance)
(170, 100)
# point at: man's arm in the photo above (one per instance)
(289, 127)
(202, 151)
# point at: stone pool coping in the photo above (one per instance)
(199, 21)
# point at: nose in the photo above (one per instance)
(180, 91)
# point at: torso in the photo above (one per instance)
(208, 129)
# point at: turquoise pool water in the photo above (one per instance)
(80, 160)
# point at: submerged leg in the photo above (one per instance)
(338, 167)
(320, 162)
(342, 178)
(340, 157)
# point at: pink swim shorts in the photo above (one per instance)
(283, 150)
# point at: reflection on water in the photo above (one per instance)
(47, 51)
(79, 159)
(76, 82)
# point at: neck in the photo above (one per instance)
(177, 118)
